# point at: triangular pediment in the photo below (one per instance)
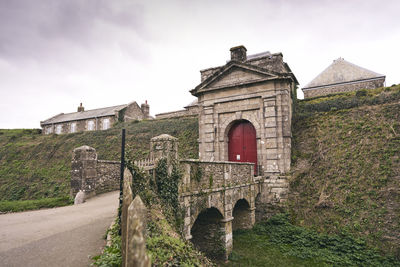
(234, 74)
(237, 76)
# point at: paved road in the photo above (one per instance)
(65, 236)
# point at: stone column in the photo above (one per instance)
(270, 160)
(227, 237)
(84, 173)
(164, 146)
(135, 242)
(126, 202)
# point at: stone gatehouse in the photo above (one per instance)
(245, 111)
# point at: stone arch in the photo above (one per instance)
(242, 217)
(208, 231)
(201, 203)
(227, 124)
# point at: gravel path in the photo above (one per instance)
(65, 236)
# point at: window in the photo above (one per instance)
(90, 125)
(106, 124)
(58, 129)
(73, 127)
(49, 130)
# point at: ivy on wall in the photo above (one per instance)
(167, 189)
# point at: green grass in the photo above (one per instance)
(111, 255)
(277, 242)
(346, 166)
(22, 205)
(35, 166)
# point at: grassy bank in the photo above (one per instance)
(22, 205)
(277, 242)
(34, 166)
(346, 166)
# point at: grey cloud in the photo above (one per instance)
(36, 29)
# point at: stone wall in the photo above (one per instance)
(212, 175)
(91, 175)
(134, 112)
(190, 111)
(271, 195)
(108, 175)
(343, 87)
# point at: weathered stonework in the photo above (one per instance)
(108, 175)
(189, 111)
(219, 197)
(258, 89)
(209, 194)
(164, 146)
(216, 197)
(91, 175)
(84, 174)
(343, 87)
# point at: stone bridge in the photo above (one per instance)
(220, 197)
(217, 197)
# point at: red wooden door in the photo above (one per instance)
(242, 145)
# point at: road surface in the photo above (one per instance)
(65, 236)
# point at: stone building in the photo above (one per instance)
(190, 110)
(95, 119)
(342, 76)
(245, 110)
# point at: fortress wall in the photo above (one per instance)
(346, 87)
(108, 175)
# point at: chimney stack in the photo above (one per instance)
(145, 109)
(238, 53)
(81, 108)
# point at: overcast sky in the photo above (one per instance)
(56, 54)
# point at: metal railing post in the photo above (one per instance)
(121, 180)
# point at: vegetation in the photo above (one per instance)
(164, 245)
(345, 186)
(111, 256)
(35, 166)
(277, 242)
(164, 220)
(21, 205)
(346, 166)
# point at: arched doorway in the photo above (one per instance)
(242, 144)
(241, 215)
(207, 232)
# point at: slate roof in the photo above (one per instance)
(342, 71)
(87, 114)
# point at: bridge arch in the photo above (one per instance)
(242, 215)
(208, 232)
